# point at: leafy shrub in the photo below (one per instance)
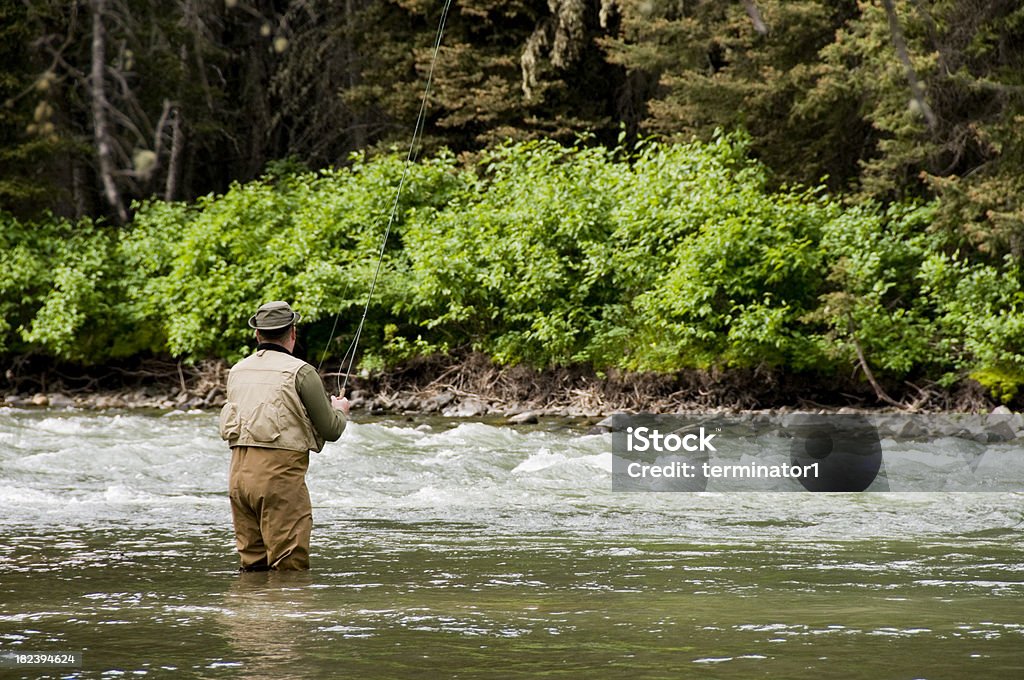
(61, 291)
(310, 238)
(517, 264)
(979, 318)
(658, 257)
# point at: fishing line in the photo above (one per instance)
(334, 327)
(417, 133)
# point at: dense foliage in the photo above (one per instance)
(651, 257)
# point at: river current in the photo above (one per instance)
(446, 548)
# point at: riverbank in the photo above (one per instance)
(473, 386)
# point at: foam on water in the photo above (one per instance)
(75, 466)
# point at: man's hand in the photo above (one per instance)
(340, 403)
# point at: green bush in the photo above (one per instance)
(873, 297)
(979, 318)
(735, 287)
(61, 292)
(312, 239)
(659, 257)
(517, 264)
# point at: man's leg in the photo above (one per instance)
(288, 526)
(245, 512)
(286, 514)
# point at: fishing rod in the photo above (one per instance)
(410, 158)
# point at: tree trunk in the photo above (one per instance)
(101, 124)
(916, 89)
(357, 127)
(174, 163)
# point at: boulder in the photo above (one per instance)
(1003, 425)
(108, 401)
(59, 400)
(1001, 431)
(409, 403)
(524, 418)
(471, 408)
(910, 428)
(439, 402)
(603, 426)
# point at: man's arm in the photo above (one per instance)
(328, 421)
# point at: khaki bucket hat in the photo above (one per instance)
(273, 316)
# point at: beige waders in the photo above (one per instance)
(270, 506)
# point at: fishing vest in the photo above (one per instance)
(263, 406)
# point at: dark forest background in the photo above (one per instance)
(111, 101)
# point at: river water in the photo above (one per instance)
(468, 549)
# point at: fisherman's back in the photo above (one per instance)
(264, 407)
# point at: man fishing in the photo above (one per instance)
(277, 411)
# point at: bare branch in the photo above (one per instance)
(128, 124)
(158, 134)
(755, 17)
(916, 88)
(868, 373)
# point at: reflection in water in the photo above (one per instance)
(264, 621)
